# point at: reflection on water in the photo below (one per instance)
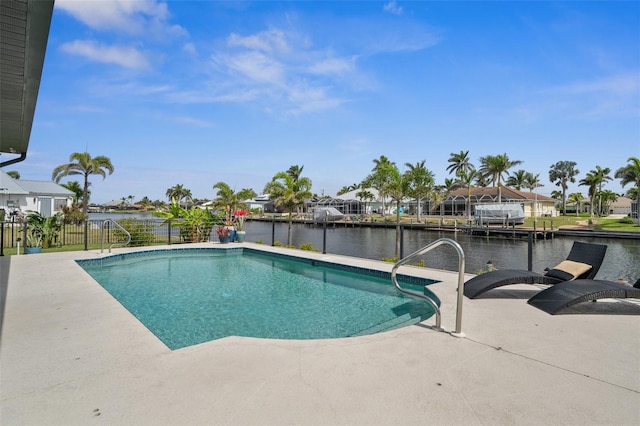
(621, 261)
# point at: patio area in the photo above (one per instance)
(70, 354)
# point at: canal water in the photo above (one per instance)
(622, 260)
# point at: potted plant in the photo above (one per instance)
(240, 216)
(224, 234)
(34, 241)
(228, 201)
(42, 232)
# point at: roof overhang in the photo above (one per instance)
(24, 31)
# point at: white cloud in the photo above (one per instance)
(127, 57)
(133, 17)
(190, 48)
(620, 85)
(272, 41)
(392, 7)
(306, 99)
(333, 66)
(611, 95)
(278, 71)
(254, 66)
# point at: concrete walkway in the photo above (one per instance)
(72, 355)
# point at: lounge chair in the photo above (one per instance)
(583, 262)
(568, 293)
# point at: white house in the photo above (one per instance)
(18, 195)
(372, 205)
(621, 206)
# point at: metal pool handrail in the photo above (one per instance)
(458, 331)
(116, 243)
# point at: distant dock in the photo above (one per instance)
(480, 231)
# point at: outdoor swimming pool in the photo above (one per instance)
(191, 296)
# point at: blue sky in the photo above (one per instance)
(196, 92)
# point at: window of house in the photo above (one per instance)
(59, 203)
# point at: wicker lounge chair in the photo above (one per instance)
(570, 293)
(586, 256)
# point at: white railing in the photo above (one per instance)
(116, 243)
(458, 331)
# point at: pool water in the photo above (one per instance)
(186, 297)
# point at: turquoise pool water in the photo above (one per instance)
(190, 296)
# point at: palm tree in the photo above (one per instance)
(606, 197)
(14, 174)
(481, 180)
(289, 194)
(557, 195)
(602, 175)
(449, 186)
(460, 163)
(467, 178)
(295, 172)
(561, 173)
(81, 163)
(576, 198)
(74, 186)
(366, 196)
(631, 174)
(348, 188)
(228, 201)
(494, 166)
(178, 193)
(591, 181)
(379, 178)
(343, 190)
(517, 180)
(145, 203)
(532, 182)
(594, 180)
(398, 188)
(420, 182)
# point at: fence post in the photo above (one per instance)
(2, 238)
(169, 230)
(273, 230)
(324, 236)
(86, 235)
(530, 251)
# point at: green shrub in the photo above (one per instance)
(277, 244)
(308, 247)
(141, 232)
(393, 259)
(628, 220)
(258, 241)
(73, 215)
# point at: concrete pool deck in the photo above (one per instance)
(70, 354)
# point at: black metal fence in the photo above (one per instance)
(92, 234)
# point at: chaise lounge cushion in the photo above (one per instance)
(568, 270)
